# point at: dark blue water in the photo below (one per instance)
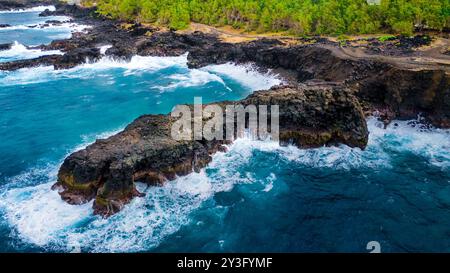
(256, 197)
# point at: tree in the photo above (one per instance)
(301, 17)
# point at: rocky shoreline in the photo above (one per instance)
(145, 151)
(24, 4)
(326, 103)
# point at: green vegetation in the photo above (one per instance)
(386, 38)
(300, 17)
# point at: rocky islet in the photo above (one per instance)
(326, 104)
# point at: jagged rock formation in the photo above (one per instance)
(398, 92)
(403, 94)
(327, 109)
(146, 152)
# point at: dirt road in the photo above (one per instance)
(429, 57)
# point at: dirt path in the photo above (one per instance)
(228, 34)
(429, 57)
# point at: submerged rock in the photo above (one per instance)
(5, 46)
(68, 60)
(19, 64)
(53, 22)
(76, 57)
(146, 152)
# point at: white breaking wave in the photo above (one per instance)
(136, 64)
(431, 144)
(246, 74)
(147, 221)
(34, 9)
(194, 77)
(88, 70)
(27, 76)
(144, 64)
(104, 48)
(63, 27)
(38, 213)
(19, 51)
(40, 217)
(17, 27)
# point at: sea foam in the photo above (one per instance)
(145, 64)
(42, 74)
(161, 213)
(40, 217)
(194, 77)
(19, 51)
(246, 74)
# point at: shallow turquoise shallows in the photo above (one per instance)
(256, 197)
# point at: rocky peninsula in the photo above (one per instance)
(332, 88)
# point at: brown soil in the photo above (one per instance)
(435, 55)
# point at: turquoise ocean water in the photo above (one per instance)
(256, 197)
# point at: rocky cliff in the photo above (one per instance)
(327, 104)
(146, 152)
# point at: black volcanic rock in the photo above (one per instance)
(69, 60)
(46, 13)
(313, 116)
(54, 22)
(399, 92)
(326, 110)
(308, 62)
(146, 152)
(72, 10)
(42, 60)
(5, 46)
(406, 93)
(121, 51)
(4, 25)
(23, 4)
(76, 57)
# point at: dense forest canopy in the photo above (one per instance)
(300, 17)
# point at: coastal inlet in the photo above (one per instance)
(368, 178)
